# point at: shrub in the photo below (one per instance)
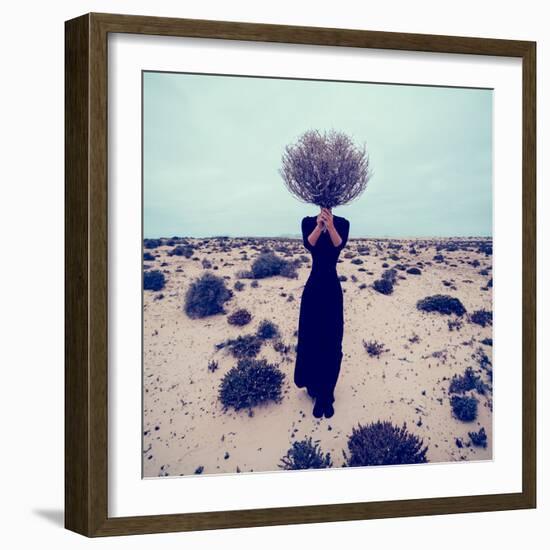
(251, 383)
(467, 382)
(213, 366)
(206, 296)
(482, 359)
(238, 285)
(280, 347)
(268, 264)
(414, 271)
(381, 443)
(486, 248)
(482, 317)
(206, 264)
(305, 455)
(390, 275)
(454, 324)
(151, 243)
(244, 274)
(464, 408)
(357, 261)
(441, 304)
(289, 270)
(239, 318)
(248, 345)
(383, 286)
(148, 257)
(479, 439)
(267, 330)
(153, 280)
(373, 348)
(181, 250)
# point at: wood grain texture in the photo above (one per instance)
(77, 153)
(86, 276)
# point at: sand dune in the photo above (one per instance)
(185, 427)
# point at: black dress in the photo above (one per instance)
(321, 323)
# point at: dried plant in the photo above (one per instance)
(382, 443)
(305, 455)
(326, 169)
(252, 382)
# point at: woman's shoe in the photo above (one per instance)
(329, 410)
(318, 409)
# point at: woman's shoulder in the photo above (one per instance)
(341, 220)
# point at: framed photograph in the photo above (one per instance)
(300, 274)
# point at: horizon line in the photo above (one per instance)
(297, 236)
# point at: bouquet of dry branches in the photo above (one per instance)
(326, 169)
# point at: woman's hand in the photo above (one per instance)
(326, 218)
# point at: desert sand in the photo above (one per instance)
(186, 430)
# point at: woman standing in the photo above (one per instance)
(321, 322)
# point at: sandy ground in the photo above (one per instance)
(184, 424)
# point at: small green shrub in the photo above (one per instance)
(467, 382)
(390, 275)
(464, 408)
(305, 455)
(239, 286)
(373, 348)
(153, 280)
(213, 366)
(382, 443)
(251, 383)
(441, 304)
(454, 324)
(267, 330)
(479, 439)
(206, 296)
(151, 243)
(482, 317)
(248, 345)
(414, 271)
(182, 250)
(268, 264)
(148, 257)
(384, 286)
(240, 317)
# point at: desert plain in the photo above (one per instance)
(398, 364)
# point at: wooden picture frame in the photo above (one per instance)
(86, 280)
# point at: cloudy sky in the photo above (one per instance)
(213, 145)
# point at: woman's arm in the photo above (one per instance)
(314, 235)
(310, 236)
(338, 240)
(334, 236)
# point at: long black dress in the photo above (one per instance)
(321, 323)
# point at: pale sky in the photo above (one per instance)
(213, 144)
